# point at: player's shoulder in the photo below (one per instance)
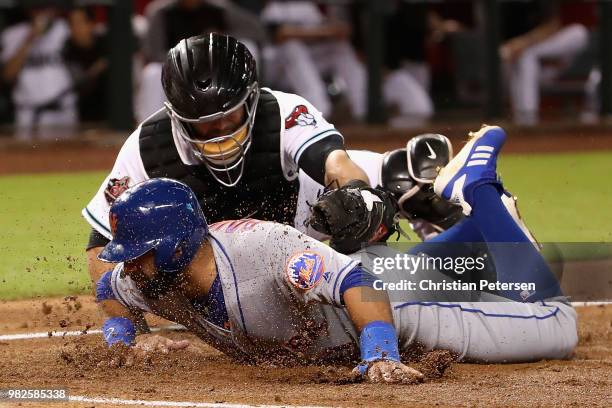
(129, 157)
(244, 225)
(156, 116)
(252, 229)
(300, 116)
(132, 142)
(288, 101)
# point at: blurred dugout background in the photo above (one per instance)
(83, 64)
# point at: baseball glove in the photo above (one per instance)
(352, 215)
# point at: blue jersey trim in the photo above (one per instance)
(473, 310)
(95, 220)
(354, 264)
(310, 140)
(357, 277)
(235, 282)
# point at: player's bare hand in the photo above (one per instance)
(147, 345)
(153, 343)
(392, 372)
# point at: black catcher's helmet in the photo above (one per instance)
(206, 78)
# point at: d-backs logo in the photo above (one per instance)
(300, 116)
(115, 188)
(305, 269)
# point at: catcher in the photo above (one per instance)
(264, 292)
(239, 147)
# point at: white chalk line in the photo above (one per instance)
(38, 335)
(148, 403)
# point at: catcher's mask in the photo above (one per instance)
(205, 79)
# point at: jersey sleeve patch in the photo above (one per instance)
(300, 116)
(305, 269)
(115, 187)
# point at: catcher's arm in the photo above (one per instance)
(352, 215)
(340, 169)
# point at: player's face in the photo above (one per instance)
(142, 269)
(221, 127)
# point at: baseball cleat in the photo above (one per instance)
(475, 165)
(509, 202)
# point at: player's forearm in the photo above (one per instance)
(366, 305)
(370, 312)
(340, 168)
(120, 326)
(112, 308)
(95, 266)
(538, 34)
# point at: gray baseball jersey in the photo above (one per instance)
(282, 295)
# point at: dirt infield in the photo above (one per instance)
(201, 374)
(98, 152)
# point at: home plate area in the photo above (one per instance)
(200, 376)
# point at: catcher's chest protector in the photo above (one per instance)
(262, 193)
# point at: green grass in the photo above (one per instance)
(563, 197)
(44, 236)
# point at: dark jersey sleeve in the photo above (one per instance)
(312, 161)
(96, 240)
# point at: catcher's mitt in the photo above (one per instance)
(352, 215)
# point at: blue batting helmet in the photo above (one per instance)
(159, 214)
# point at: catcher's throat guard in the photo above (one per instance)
(224, 156)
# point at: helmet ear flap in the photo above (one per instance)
(172, 255)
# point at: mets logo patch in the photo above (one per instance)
(305, 269)
(115, 188)
(300, 116)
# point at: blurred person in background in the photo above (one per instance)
(86, 55)
(306, 46)
(409, 26)
(33, 65)
(535, 34)
(169, 21)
